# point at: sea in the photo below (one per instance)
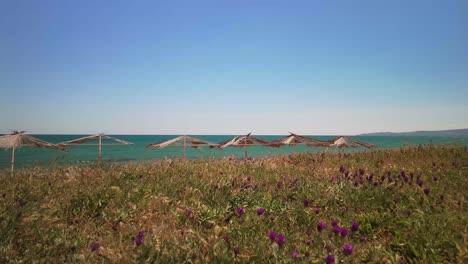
(28, 156)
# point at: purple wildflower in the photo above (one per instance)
(296, 254)
(188, 213)
(240, 211)
(279, 185)
(260, 211)
(309, 232)
(306, 202)
(95, 246)
(272, 235)
(361, 171)
(344, 232)
(308, 242)
(334, 222)
(355, 226)
(348, 249)
(236, 251)
(342, 168)
(280, 239)
(336, 229)
(420, 182)
(426, 191)
(435, 178)
(295, 182)
(330, 259)
(408, 212)
(21, 202)
(321, 226)
(328, 248)
(249, 178)
(139, 238)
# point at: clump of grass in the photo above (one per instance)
(399, 206)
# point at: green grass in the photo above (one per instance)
(67, 210)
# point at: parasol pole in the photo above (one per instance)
(99, 148)
(245, 148)
(185, 151)
(12, 159)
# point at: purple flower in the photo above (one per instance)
(296, 254)
(21, 202)
(188, 213)
(240, 211)
(309, 232)
(295, 182)
(279, 185)
(334, 222)
(344, 232)
(260, 211)
(280, 239)
(426, 191)
(272, 235)
(336, 230)
(236, 251)
(95, 246)
(355, 226)
(420, 182)
(435, 178)
(330, 259)
(306, 202)
(321, 226)
(308, 242)
(348, 249)
(408, 212)
(249, 178)
(342, 168)
(361, 171)
(139, 238)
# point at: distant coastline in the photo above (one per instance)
(439, 133)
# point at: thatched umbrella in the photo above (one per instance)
(99, 138)
(18, 139)
(245, 141)
(182, 141)
(346, 142)
(294, 139)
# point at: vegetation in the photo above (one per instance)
(386, 206)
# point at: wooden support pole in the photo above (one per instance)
(245, 149)
(12, 159)
(185, 146)
(99, 148)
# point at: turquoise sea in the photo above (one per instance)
(27, 156)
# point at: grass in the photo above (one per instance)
(188, 210)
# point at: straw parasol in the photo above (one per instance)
(344, 141)
(99, 138)
(294, 139)
(245, 141)
(182, 141)
(18, 139)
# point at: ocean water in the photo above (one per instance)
(26, 156)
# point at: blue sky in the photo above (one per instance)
(232, 67)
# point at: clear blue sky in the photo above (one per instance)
(231, 67)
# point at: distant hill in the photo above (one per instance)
(439, 133)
